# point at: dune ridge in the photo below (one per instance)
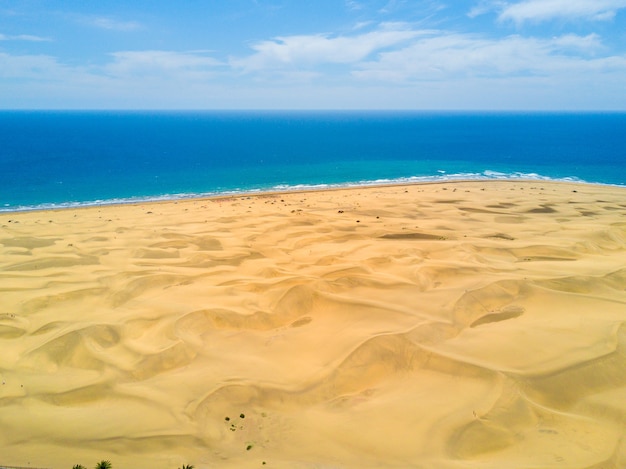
(457, 325)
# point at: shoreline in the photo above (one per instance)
(436, 325)
(271, 191)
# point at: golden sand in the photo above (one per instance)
(463, 325)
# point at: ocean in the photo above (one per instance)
(54, 159)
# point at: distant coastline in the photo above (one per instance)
(64, 159)
(260, 192)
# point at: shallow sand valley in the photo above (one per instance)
(470, 324)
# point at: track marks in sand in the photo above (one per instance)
(368, 367)
(414, 236)
(57, 263)
(592, 377)
(170, 358)
(125, 287)
(197, 323)
(517, 428)
(66, 298)
(200, 322)
(365, 384)
(131, 350)
(508, 312)
(11, 332)
(292, 303)
(79, 396)
(491, 303)
(605, 285)
(180, 241)
(84, 348)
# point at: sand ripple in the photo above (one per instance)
(437, 326)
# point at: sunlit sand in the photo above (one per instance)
(460, 325)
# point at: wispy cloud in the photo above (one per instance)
(23, 37)
(27, 66)
(486, 6)
(109, 23)
(542, 10)
(39, 68)
(353, 5)
(311, 50)
(453, 56)
(589, 43)
(123, 66)
(371, 64)
(151, 78)
(191, 65)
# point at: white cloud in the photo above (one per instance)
(486, 6)
(23, 66)
(108, 23)
(157, 64)
(376, 66)
(541, 10)
(362, 25)
(128, 67)
(130, 79)
(23, 37)
(310, 50)
(353, 5)
(31, 67)
(455, 56)
(589, 43)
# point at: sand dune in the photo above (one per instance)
(462, 325)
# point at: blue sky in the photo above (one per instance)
(310, 54)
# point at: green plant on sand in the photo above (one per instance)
(187, 466)
(79, 466)
(104, 465)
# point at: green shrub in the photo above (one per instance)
(104, 465)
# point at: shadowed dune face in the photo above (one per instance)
(446, 326)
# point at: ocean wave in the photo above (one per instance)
(442, 176)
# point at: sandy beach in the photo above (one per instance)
(459, 325)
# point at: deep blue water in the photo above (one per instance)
(50, 159)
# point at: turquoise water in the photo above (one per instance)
(57, 159)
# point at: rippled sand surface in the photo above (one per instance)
(462, 325)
